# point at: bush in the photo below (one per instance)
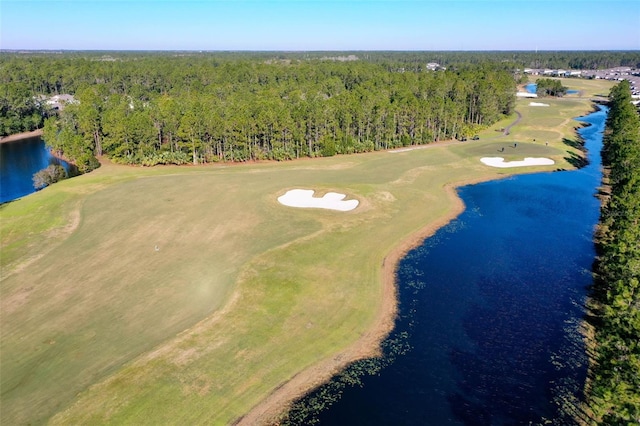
(86, 162)
(164, 157)
(48, 176)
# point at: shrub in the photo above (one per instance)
(164, 157)
(49, 176)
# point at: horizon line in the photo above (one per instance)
(3, 50)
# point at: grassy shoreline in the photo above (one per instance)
(247, 304)
(368, 346)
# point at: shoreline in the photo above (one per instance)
(35, 134)
(270, 409)
(21, 136)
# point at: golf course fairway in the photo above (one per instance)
(191, 295)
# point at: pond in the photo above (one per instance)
(533, 87)
(490, 309)
(19, 161)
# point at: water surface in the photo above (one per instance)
(490, 307)
(533, 87)
(19, 161)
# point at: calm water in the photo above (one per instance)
(19, 161)
(490, 308)
(532, 87)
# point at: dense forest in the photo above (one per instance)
(614, 388)
(153, 109)
(177, 107)
(414, 60)
(578, 60)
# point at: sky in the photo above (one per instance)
(307, 25)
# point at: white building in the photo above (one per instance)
(59, 101)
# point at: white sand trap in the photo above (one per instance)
(537, 104)
(528, 161)
(304, 198)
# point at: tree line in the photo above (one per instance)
(24, 75)
(577, 60)
(157, 109)
(415, 60)
(613, 393)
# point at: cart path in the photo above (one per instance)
(508, 128)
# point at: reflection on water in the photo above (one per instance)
(492, 306)
(19, 161)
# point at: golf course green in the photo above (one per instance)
(189, 294)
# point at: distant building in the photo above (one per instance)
(339, 58)
(622, 69)
(433, 66)
(57, 101)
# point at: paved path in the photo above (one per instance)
(506, 129)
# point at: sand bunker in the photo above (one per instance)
(528, 161)
(537, 104)
(304, 198)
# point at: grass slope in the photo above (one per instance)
(97, 326)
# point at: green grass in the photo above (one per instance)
(243, 293)
(587, 88)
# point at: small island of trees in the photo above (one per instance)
(550, 87)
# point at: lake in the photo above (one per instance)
(490, 309)
(533, 87)
(19, 161)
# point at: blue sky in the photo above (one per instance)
(320, 25)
